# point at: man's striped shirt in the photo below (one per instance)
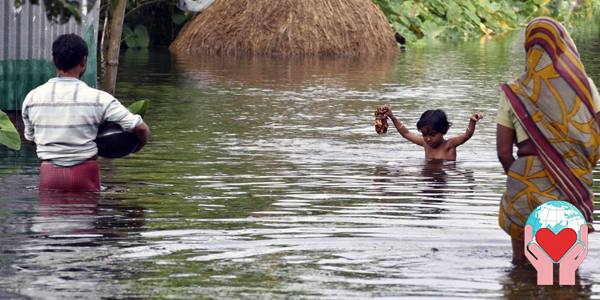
(62, 117)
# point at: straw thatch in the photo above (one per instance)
(288, 28)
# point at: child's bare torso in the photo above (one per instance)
(445, 151)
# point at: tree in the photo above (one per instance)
(114, 45)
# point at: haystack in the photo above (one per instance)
(288, 28)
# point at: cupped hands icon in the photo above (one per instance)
(548, 249)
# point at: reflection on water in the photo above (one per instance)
(265, 179)
(60, 244)
(521, 283)
(66, 214)
(205, 72)
(433, 183)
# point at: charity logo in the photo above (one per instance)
(556, 233)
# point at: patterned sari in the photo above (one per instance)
(553, 102)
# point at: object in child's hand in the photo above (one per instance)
(477, 116)
(381, 124)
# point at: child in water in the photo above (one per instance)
(433, 125)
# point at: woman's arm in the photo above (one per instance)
(461, 139)
(504, 146)
(411, 136)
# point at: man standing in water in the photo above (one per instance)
(62, 117)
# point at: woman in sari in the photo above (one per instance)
(551, 113)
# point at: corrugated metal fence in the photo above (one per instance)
(26, 37)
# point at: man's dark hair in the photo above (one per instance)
(68, 50)
(435, 119)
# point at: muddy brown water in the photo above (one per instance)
(265, 179)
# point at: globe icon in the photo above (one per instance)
(556, 216)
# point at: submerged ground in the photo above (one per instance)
(265, 178)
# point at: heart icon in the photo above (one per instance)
(556, 245)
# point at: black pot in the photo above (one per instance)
(114, 142)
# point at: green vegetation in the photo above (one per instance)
(137, 38)
(139, 107)
(58, 11)
(416, 20)
(421, 20)
(162, 20)
(8, 133)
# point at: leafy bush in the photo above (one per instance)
(420, 20)
(9, 136)
(136, 38)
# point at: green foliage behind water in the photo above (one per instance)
(418, 21)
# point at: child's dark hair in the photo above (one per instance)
(436, 119)
(68, 50)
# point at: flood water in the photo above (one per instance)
(265, 178)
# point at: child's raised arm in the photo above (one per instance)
(461, 139)
(411, 136)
